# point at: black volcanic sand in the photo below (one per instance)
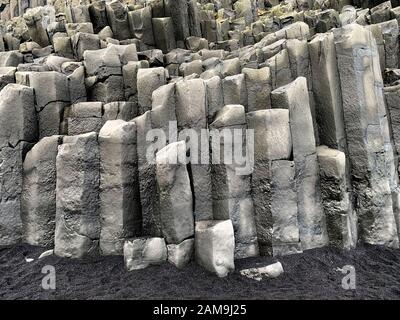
(312, 275)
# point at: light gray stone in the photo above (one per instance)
(176, 201)
(119, 188)
(181, 254)
(214, 246)
(140, 253)
(367, 134)
(77, 230)
(39, 192)
(294, 97)
(231, 179)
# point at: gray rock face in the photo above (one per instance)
(272, 142)
(284, 209)
(327, 93)
(231, 188)
(148, 80)
(181, 254)
(199, 79)
(176, 202)
(178, 11)
(191, 115)
(258, 87)
(117, 16)
(365, 134)
(140, 253)
(340, 220)
(18, 130)
(392, 98)
(119, 187)
(77, 229)
(10, 58)
(149, 195)
(39, 192)
(83, 118)
(141, 25)
(164, 36)
(119, 111)
(294, 97)
(50, 101)
(215, 246)
(7, 75)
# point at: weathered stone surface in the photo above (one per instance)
(327, 93)
(279, 65)
(148, 80)
(340, 220)
(271, 271)
(77, 230)
(164, 36)
(10, 59)
(117, 17)
(18, 122)
(37, 30)
(129, 73)
(119, 111)
(39, 192)
(258, 87)
(140, 253)
(191, 118)
(98, 15)
(231, 176)
(214, 246)
(84, 117)
(181, 254)
(294, 97)
(141, 25)
(18, 128)
(7, 75)
(82, 42)
(392, 98)
(176, 201)
(390, 34)
(76, 85)
(119, 187)
(178, 11)
(284, 209)
(272, 141)
(215, 97)
(50, 100)
(367, 135)
(73, 28)
(234, 88)
(149, 196)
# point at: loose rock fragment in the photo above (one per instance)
(142, 252)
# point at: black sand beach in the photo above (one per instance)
(312, 275)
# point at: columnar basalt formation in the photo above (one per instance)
(167, 131)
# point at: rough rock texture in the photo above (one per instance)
(340, 218)
(77, 229)
(119, 188)
(39, 192)
(181, 254)
(141, 252)
(294, 97)
(176, 202)
(214, 246)
(232, 180)
(18, 129)
(366, 130)
(285, 114)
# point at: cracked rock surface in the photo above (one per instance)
(96, 95)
